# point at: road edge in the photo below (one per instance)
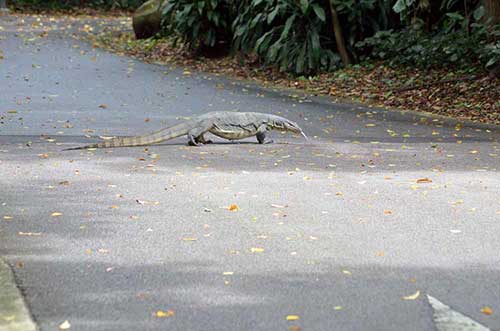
(14, 314)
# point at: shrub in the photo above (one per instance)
(199, 23)
(455, 42)
(288, 34)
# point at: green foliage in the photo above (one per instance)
(454, 43)
(199, 23)
(291, 35)
(67, 4)
(362, 18)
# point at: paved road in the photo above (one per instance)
(335, 230)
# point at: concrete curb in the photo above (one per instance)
(14, 315)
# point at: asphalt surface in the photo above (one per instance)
(335, 230)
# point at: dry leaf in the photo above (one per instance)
(56, 214)
(412, 296)
(424, 180)
(487, 310)
(233, 208)
(387, 212)
(189, 239)
(292, 318)
(64, 325)
(103, 106)
(163, 314)
(256, 250)
(29, 234)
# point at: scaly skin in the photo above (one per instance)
(228, 125)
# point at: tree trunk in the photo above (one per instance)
(492, 8)
(339, 39)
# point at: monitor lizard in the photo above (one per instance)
(225, 124)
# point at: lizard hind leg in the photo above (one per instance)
(201, 140)
(195, 135)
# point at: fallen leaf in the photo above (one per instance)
(29, 234)
(103, 106)
(337, 308)
(233, 208)
(189, 239)
(412, 296)
(64, 325)
(163, 314)
(56, 214)
(387, 212)
(424, 180)
(256, 250)
(292, 318)
(7, 217)
(487, 310)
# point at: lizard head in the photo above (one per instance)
(283, 124)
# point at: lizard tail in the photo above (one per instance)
(148, 139)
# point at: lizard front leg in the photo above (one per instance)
(261, 135)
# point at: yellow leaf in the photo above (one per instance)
(7, 217)
(228, 273)
(162, 314)
(56, 214)
(64, 325)
(412, 296)
(337, 308)
(29, 234)
(189, 239)
(256, 250)
(487, 310)
(292, 318)
(233, 208)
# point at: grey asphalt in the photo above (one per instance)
(335, 230)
